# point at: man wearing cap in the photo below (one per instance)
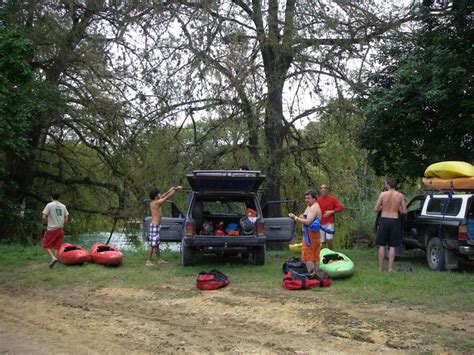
(330, 205)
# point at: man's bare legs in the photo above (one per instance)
(54, 258)
(148, 256)
(391, 258)
(381, 257)
(330, 244)
(158, 256)
(312, 266)
(309, 266)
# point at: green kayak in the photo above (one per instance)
(335, 264)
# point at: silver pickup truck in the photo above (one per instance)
(443, 225)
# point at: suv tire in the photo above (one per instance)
(435, 252)
(187, 255)
(259, 255)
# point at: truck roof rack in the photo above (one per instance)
(446, 191)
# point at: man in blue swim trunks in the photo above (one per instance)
(391, 204)
(157, 200)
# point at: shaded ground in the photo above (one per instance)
(171, 319)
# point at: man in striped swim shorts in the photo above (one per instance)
(157, 199)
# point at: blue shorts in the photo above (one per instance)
(154, 235)
(389, 232)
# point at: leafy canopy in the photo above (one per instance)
(420, 108)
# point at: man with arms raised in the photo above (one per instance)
(391, 204)
(154, 232)
(312, 244)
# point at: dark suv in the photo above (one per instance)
(224, 216)
(442, 225)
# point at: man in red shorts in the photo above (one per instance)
(311, 243)
(55, 214)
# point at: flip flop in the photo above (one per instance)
(52, 263)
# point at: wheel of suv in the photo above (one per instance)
(187, 255)
(435, 254)
(259, 255)
(245, 256)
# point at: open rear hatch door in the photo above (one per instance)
(278, 226)
(225, 180)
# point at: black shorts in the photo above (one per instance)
(389, 232)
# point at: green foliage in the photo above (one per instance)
(420, 109)
(17, 225)
(340, 163)
(16, 86)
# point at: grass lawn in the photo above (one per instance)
(27, 267)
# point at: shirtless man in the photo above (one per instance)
(310, 251)
(390, 203)
(157, 200)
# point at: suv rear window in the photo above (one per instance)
(226, 208)
(222, 205)
(438, 206)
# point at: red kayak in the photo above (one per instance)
(104, 254)
(69, 254)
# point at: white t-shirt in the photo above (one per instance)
(56, 212)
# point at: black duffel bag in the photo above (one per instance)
(295, 264)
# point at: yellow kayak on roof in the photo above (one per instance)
(449, 170)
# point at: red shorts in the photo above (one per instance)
(311, 252)
(53, 239)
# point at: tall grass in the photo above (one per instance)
(26, 267)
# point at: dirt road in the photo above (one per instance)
(171, 319)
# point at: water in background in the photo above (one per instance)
(118, 240)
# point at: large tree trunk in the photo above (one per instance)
(277, 58)
(274, 136)
(274, 144)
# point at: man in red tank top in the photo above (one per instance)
(329, 206)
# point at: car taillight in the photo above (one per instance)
(260, 228)
(462, 233)
(189, 229)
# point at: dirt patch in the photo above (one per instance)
(174, 319)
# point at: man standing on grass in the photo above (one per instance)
(311, 245)
(154, 232)
(330, 205)
(391, 204)
(55, 214)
